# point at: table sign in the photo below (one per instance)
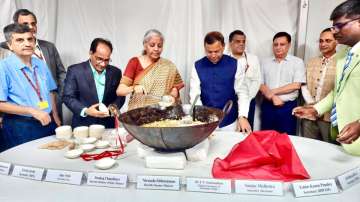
(158, 182)
(5, 168)
(259, 187)
(208, 185)
(107, 180)
(28, 172)
(349, 178)
(64, 176)
(315, 187)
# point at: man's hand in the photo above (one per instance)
(92, 111)
(243, 125)
(277, 101)
(349, 133)
(305, 112)
(41, 116)
(56, 119)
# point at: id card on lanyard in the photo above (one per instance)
(42, 104)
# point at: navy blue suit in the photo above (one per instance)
(80, 92)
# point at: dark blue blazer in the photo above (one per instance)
(80, 92)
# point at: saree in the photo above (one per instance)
(158, 79)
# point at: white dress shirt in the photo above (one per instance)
(195, 84)
(289, 70)
(251, 83)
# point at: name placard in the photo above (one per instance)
(28, 172)
(158, 182)
(208, 185)
(316, 187)
(259, 187)
(349, 178)
(107, 180)
(5, 168)
(64, 177)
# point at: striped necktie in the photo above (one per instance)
(333, 117)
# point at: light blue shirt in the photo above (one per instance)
(99, 84)
(16, 89)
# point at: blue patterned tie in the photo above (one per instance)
(333, 117)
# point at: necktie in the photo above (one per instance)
(333, 117)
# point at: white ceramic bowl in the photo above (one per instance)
(103, 108)
(105, 163)
(63, 132)
(81, 132)
(96, 131)
(71, 154)
(102, 144)
(88, 140)
(87, 147)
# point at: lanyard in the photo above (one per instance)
(37, 87)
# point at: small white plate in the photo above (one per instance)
(105, 163)
(87, 147)
(101, 144)
(71, 154)
(88, 140)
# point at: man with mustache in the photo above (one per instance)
(343, 100)
(27, 88)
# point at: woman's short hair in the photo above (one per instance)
(151, 33)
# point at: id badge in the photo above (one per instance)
(43, 105)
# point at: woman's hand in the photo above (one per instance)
(140, 89)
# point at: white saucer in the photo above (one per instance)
(101, 144)
(105, 163)
(88, 140)
(87, 147)
(71, 154)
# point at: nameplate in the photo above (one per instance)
(349, 178)
(259, 187)
(314, 188)
(208, 185)
(107, 180)
(158, 182)
(64, 177)
(28, 172)
(5, 168)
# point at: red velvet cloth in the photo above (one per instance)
(263, 155)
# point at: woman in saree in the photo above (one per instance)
(148, 77)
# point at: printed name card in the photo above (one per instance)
(208, 185)
(28, 172)
(5, 168)
(158, 182)
(316, 187)
(64, 177)
(259, 187)
(107, 180)
(349, 178)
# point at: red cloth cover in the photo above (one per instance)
(263, 155)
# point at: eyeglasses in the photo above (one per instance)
(326, 40)
(340, 25)
(100, 60)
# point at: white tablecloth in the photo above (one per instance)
(322, 161)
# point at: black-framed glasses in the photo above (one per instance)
(100, 60)
(338, 26)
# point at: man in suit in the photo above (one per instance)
(343, 100)
(92, 82)
(44, 50)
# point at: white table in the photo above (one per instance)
(322, 161)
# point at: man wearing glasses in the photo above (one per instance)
(320, 79)
(27, 96)
(90, 83)
(343, 100)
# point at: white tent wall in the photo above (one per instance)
(72, 24)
